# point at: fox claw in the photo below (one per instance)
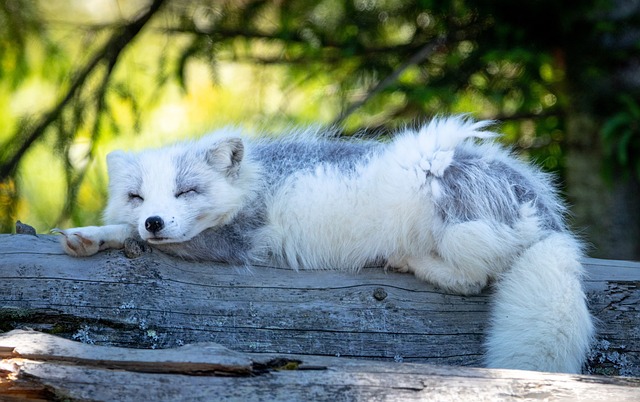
(76, 243)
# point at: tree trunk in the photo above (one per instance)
(606, 213)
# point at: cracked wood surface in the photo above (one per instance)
(159, 302)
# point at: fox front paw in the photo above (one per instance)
(80, 242)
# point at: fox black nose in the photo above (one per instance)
(153, 224)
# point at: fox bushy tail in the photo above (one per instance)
(540, 319)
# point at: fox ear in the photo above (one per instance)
(117, 161)
(226, 156)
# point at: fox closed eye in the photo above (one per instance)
(135, 197)
(187, 192)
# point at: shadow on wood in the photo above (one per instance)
(159, 302)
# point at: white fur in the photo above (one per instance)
(433, 202)
(540, 319)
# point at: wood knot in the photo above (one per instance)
(134, 248)
(23, 228)
(379, 294)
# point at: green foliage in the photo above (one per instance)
(621, 135)
(18, 26)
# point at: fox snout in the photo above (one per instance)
(154, 224)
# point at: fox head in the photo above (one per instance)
(172, 194)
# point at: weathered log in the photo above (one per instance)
(155, 301)
(39, 366)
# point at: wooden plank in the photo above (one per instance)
(189, 359)
(82, 373)
(159, 302)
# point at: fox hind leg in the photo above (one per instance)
(433, 269)
(466, 256)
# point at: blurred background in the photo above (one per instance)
(80, 78)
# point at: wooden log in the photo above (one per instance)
(155, 301)
(37, 366)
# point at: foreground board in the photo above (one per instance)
(37, 366)
(159, 302)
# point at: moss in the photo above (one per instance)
(9, 315)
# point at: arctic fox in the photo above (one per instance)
(442, 201)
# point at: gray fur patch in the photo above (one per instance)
(281, 159)
(188, 175)
(231, 243)
(475, 188)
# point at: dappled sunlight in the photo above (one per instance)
(33, 97)
(41, 185)
(167, 120)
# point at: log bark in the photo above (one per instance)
(158, 302)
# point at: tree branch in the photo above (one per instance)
(422, 54)
(73, 183)
(289, 38)
(13, 153)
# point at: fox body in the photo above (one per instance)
(441, 201)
